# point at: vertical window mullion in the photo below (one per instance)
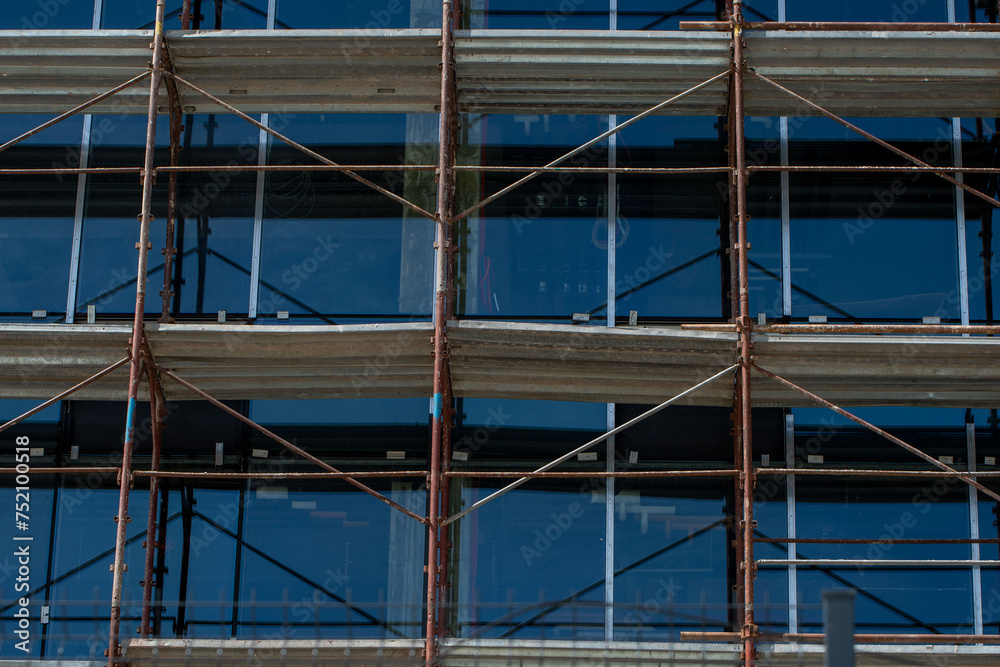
(81, 191)
(963, 259)
(258, 218)
(609, 510)
(786, 223)
(977, 576)
(793, 620)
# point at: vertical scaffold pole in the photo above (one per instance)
(734, 312)
(156, 421)
(114, 649)
(440, 427)
(749, 630)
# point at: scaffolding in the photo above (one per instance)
(729, 364)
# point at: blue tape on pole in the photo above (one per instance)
(128, 417)
(438, 406)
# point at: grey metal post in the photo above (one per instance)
(838, 628)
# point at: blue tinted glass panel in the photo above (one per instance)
(845, 275)
(207, 599)
(36, 217)
(213, 234)
(658, 15)
(670, 240)
(771, 587)
(533, 414)
(412, 411)
(334, 248)
(671, 559)
(361, 576)
(544, 15)
(48, 15)
(909, 11)
(540, 251)
(870, 246)
(890, 599)
(83, 513)
(979, 150)
(140, 14)
(978, 12)
(367, 14)
(28, 548)
(540, 576)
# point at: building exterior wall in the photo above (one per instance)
(584, 559)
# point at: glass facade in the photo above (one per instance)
(586, 557)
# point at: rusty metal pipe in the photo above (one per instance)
(67, 170)
(598, 170)
(281, 441)
(176, 120)
(276, 475)
(749, 630)
(489, 474)
(853, 472)
(445, 191)
(297, 167)
(822, 26)
(68, 392)
(876, 540)
(872, 168)
(114, 649)
(955, 329)
(277, 135)
(817, 638)
(875, 429)
(70, 470)
(157, 413)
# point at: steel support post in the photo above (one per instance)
(441, 420)
(175, 152)
(749, 631)
(736, 592)
(114, 650)
(157, 414)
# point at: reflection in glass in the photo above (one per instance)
(530, 563)
(205, 14)
(59, 15)
(213, 232)
(353, 578)
(36, 217)
(539, 252)
(671, 559)
(872, 246)
(366, 14)
(895, 11)
(325, 234)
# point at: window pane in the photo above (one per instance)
(36, 217)
(54, 15)
(868, 10)
(367, 14)
(325, 234)
(539, 252)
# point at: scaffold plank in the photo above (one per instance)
(854, 73)
(504, 360)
